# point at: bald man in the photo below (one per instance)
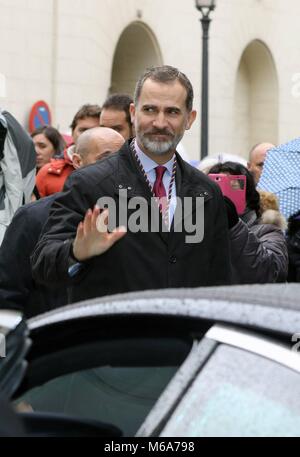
(95, 144)
(18, 290)
(257, 159)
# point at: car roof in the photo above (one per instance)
(273, 307)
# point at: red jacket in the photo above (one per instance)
(52, 176)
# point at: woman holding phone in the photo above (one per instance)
(258, 249)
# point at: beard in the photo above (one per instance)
(157, 147)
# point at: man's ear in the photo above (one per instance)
(77, 161)
(191, 119)
(132, 112)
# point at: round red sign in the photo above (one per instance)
(40, 115)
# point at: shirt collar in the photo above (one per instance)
(149, 164)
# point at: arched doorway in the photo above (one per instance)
(136, 50)
(256, 99)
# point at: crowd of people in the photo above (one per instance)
(63, 244)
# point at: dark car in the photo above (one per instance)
(202, 362)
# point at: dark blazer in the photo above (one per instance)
(140, 260)
(18, 290)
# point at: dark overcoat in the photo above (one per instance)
(18, 290)
(142, 260)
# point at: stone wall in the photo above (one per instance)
(69, 52)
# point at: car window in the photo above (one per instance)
(239, 394)
(122, 394)
(119, 396)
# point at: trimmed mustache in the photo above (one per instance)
(165, 132)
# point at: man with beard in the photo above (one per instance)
(96, 256)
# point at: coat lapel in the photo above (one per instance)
(130, 182)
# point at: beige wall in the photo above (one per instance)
(256, 99)
(26, 35)
(274, 24)
(63, 51)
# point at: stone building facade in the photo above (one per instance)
(69, 52)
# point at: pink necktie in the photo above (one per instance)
(159, 188)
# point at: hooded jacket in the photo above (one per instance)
(18, 290)
(52, 176)
(17, 168)
(258, 249)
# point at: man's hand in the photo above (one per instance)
(92, 238)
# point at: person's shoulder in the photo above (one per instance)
(56, 168)
(33, 216)
(42, 171)
(35, 208)
(95, 172)
(261, 229)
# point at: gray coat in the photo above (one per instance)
(17, 168)
(259, 252)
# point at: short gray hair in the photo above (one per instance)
(166, 74)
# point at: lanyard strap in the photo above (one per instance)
(165, 212)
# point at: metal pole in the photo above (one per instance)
(205, 20)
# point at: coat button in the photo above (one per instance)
(173, 259)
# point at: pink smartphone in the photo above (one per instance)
(233, 187)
